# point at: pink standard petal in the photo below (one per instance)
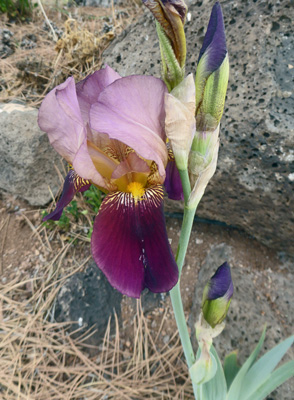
(89, 89)
(132, 110)
(61, 118)
(130, 245)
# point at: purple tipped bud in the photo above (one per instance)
(212, 73)
(214, 43)
(217, 295)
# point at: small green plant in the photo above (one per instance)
(63, 223)
(73, 210)
(16, 9)
(93, 198)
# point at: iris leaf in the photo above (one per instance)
(263, 368)
(231, 367)
(275, 379)
(216, 388)
(235, 389)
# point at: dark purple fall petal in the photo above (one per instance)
(215, 40)
(221, 284)
(130, 245)
(72, 185)
(173, 183)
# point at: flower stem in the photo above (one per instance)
(186, 185)
(175, 293)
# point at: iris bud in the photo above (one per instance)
(217, 296)
(170, 16)
(211, 84)
(212, 74)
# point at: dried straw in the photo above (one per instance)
(29, 74)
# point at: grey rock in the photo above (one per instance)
(150, 301)
(97, 3)
(253, 306)
(90, 300)
(7, 45)
(26, 158)
(254, 182)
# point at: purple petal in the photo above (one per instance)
(60, 117)
(215, 40)
(130, 244)
(132, 110)
(221, 284)
(173, 183)
(72, 184)
(89, 89)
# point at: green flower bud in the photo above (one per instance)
(212, 74)
(217, 296)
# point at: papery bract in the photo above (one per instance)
(171, 15)
(180, 120)
(111, 130)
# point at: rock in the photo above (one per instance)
(26, 158)
(7, 45)
(253, 185)
(150, 301)
(253, 306)
(89, 299)
(97, 3)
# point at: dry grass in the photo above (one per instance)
(29, 74)
(41, 360)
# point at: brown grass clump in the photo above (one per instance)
(28, 74)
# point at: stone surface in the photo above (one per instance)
(97, 3)
(253, 306)
(253, 185)
(90, 300)
(26, 158)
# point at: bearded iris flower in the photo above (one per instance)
(111, 130)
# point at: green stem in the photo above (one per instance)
(186, 186)
(175, 293)
(187, 225)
